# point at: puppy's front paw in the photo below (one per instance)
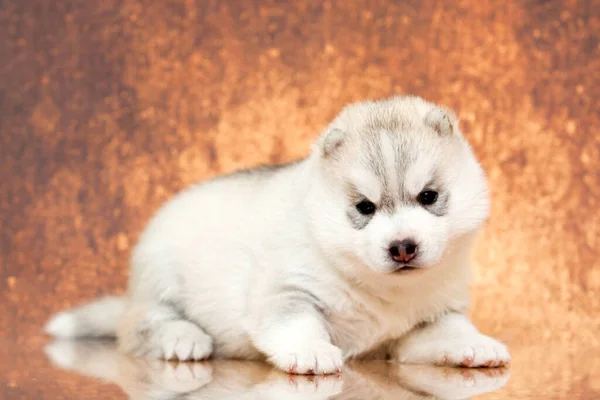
(310, 358)
(480, 351)
(183, 341)
(473, 351)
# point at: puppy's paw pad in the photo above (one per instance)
(317, 358)
(183, 341)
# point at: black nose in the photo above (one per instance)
(404, 250)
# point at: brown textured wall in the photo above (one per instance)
(107, 108)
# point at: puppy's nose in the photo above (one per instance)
(404, 250)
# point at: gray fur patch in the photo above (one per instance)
(375, 162)
(393, 194)
(440, 207)
(262, 170)
(388, 202)
(358, 220)
(374, 158)
(387, 120)
(295, 299)
(174, 305)
(257, 172)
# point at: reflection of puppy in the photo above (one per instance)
(360, 249)
(160, 380)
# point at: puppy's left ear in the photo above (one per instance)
(443, 120)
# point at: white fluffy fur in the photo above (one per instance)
(63, 324)
(96, 319)
(267, 264)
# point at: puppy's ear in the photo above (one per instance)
(443, 121)
(331, 142)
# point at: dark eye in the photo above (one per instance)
(427, 197)
(366, 207)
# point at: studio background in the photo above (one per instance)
(107, 108)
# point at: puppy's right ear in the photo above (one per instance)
(331, 142)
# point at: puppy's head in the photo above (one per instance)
(396, 183)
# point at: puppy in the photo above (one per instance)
(361, 250)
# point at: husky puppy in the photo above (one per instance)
(361, 250)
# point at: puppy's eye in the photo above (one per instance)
(427, 197)
(366, 207)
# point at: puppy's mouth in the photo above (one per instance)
(407, 269)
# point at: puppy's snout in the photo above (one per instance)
(403, 251)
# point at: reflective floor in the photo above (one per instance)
(94, 370)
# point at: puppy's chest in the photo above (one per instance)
(358, 326)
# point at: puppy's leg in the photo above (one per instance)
(158, 331)
(452, 340)
(293, 336)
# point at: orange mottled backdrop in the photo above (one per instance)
(109, 107)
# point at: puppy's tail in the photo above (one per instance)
(95, 319)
